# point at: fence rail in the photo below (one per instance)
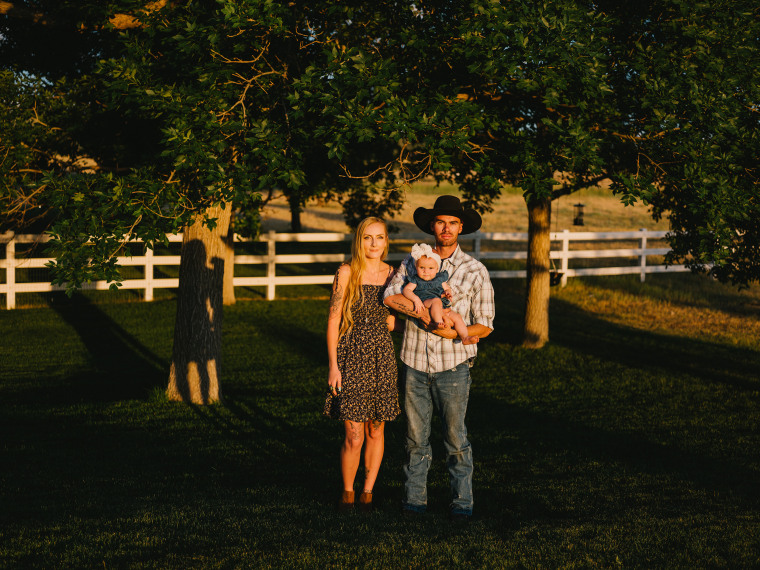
(149, 261)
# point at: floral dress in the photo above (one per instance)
(367, 364)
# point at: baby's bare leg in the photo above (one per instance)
(436, 311)
(461, 328)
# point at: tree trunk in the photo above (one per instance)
(295, 214)
(536, 330)
(195, 369)
(228, 297)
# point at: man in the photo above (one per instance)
(437, 371)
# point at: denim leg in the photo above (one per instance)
(451, 391)
(418, 407)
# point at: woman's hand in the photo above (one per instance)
(334, 381)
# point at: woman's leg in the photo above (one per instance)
(351, 452)
(374, 433)
(436, 310)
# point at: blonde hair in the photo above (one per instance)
(354, 291)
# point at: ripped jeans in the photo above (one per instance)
(449, 392)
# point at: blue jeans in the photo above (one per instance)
(449, 392)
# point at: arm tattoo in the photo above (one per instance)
(336, 297)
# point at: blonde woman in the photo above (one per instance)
(362, 380)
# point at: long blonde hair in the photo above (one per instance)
(354, 291)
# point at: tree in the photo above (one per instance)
(649, 95)
(213, 86)
(204, 81)
(659, 97)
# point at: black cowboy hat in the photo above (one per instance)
(448, 206)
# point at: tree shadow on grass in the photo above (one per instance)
(526, 451)
(122, 367)
(282, 459)
(592, 472)
(680, 288)
(581, 332)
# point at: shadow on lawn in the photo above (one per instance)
(690, 290)
(123, 367)
(581, 332)
(553, 467)
(530, 448)
(584, 333)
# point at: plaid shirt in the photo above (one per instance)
(473, 298)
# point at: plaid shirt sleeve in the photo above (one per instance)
(482, 306)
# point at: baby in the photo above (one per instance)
(429, 288)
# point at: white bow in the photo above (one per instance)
(424, 250)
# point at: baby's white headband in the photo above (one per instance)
(424, 250)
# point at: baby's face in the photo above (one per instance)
(426, 268)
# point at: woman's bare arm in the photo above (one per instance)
(333, 324)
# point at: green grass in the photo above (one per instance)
(620, 444)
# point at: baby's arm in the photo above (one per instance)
(408, 292)
(447, 292)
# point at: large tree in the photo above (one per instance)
(659, 97)
(207, 92)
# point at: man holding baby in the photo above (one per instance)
(437, 362)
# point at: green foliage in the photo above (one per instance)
(660, 97)
(220, 102)
(365, 201)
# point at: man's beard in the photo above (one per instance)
(446, 241)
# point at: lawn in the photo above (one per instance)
(630, 441)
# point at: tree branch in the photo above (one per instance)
(582, 183)
(117, 21)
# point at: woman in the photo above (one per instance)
(362, 380)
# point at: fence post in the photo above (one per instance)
(148, 273)
(270, 265)
(476, 246)
(565, 250)
(10, 272)
(643, 256)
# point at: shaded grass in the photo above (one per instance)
(616, 445)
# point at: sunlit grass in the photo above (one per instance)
(602, 212)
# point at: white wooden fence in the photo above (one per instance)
(561, 257)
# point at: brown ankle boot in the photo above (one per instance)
(365, 501)
(346, 503)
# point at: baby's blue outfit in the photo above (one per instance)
(432, 289)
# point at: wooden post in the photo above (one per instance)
(270, 265)
(476, 246)
(643, 256)
(10, 272)
(148, 274)
(565, 250)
